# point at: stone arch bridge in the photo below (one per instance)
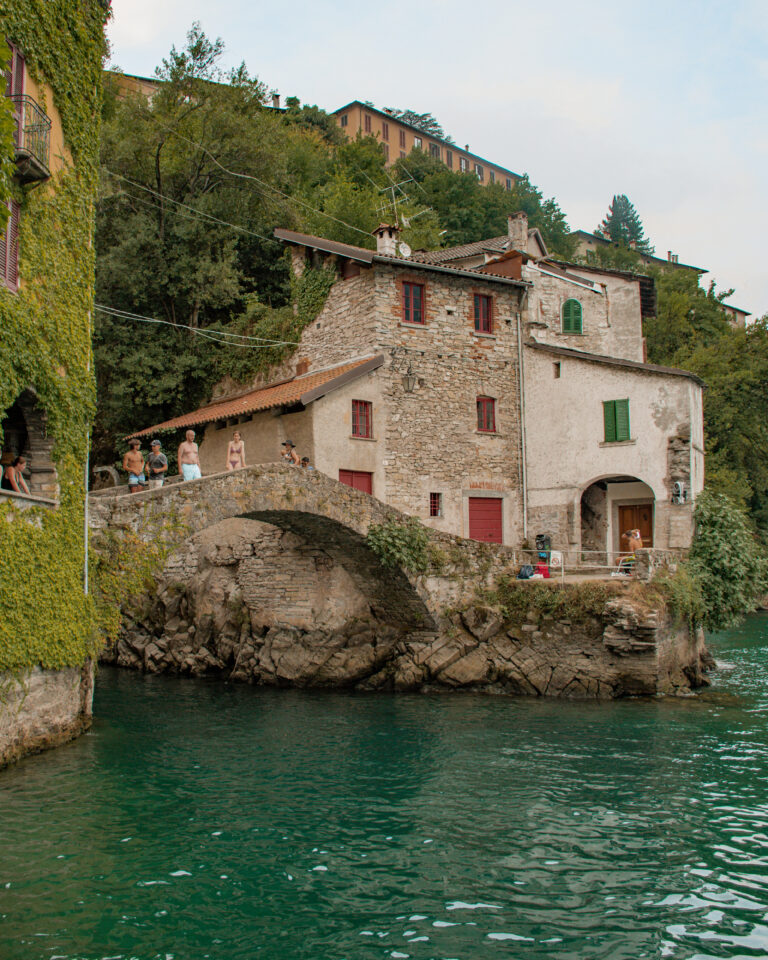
(325, 514)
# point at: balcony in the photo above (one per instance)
(33, 140)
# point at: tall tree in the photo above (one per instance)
(422, 121)
(623, 225)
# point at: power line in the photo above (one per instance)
(218, 336)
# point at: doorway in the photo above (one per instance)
(637, 516)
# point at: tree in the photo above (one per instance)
(623, 225)
(422, 121)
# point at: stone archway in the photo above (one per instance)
(25, 434)
(608, 505)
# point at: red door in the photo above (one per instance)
(485, 519)
(358, 479)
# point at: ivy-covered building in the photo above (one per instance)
(52, 56)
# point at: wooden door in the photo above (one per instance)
(485, 519)
(637, 516)
(358, 479)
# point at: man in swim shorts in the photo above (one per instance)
(189, 458)
(133, 464)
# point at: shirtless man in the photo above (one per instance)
(189, 458)
(133, 464)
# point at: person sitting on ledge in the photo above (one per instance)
(289, 453)
(13, 477)
(133, 464)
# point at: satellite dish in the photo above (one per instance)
(404, 250)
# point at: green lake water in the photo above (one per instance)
(204, 820)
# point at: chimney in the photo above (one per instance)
(386, 240)
(517, 230)
(276, 101)
(669, 256)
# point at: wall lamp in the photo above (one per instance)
(409, 380)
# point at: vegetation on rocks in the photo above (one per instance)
(401, 543)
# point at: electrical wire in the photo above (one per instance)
(217, 336)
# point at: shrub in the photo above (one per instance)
(400, 543)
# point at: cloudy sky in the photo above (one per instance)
(663, 101)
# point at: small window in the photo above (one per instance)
(492, 176)
(367, 123)
(616, 420)
(362, 418)
(413, 303)
(508, 183)
(449, 158)
(343, 119)
(386, 151)
(435, 504)
(483, 311)
(402, 139)
(385, 130)
(9, 249)
(479, 171)
(434, 150)
(486, 414)
(417, 143)
(556, 371)
(463, 164)
(571, 316)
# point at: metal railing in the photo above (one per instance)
(33, 135)
(605, 563)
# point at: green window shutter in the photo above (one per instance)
(571, 316)
(609, 420)
(622, 419)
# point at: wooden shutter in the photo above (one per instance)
(622, 419)
(571, 316)
(17, 72)
(609, 420)
(9, 248)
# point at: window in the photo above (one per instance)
(435, 504)
(386, 151)
(449, 158)
(413, 302)
(463, 164)
(508, 183)
(479, 171)
(343, 119)
(367, 123)
(492, 176)
(556, 370)
(358, 479)
(362, 418)
(572, 316)
(486, 415)
(417, 143)
(434, 150)
(616, 420)
(483, 312)
(384, 130)
(402, 139)
(402, 154)
(9, 249)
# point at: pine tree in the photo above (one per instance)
(623, 225)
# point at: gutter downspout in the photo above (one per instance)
(523, 451)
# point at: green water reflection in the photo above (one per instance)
(201, 820)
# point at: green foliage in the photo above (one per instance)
(422, 121)
(45, 617)
(401, 543)
(687, 317)
(727, 562)
(681, 591)
(623, 224)
(6, 144)
(578, 601)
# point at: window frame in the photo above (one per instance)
(449, 159)
(492, 176)
(410, 283)
(480, 172)
(384, 130)
(367, 122)
(344, 120)
(403, 143)
(434, 151)
(463, 165)
(364, 422)
(9, 248)
(484, 404)
(567, 324)
(616, 422)
(435, 504)
(418, 143)
(478, 297)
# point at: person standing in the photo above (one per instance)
(289, 453)
(133, 464)
(189, 458)
(157, 465)
(236, 452)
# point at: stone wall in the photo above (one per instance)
(43, 708)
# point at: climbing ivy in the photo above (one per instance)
(45, 617)
(401, 543)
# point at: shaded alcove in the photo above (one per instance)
(24, 427)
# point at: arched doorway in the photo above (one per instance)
(25, 434)
(609, 507)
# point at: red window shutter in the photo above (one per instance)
(17, 71)
(483, 313)
(358, 479)
(362, 418)
(486, 414)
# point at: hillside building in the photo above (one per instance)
(486, 389)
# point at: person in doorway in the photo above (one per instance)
(189, 458)
(133, 464)
(635, 541)
(236, 452)
(289, 453)
(157, 465)
(13, 477)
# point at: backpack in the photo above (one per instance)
(526, 572)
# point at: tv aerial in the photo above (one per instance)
(403, 249)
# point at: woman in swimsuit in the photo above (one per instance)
(13, 478)
(235, 452)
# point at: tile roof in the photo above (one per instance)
(302, 389)
(464, 250)
(614, 361)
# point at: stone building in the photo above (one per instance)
(486, 389)
(47, 617)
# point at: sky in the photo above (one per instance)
(665, 102)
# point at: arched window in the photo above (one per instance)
(572, 316)
(25, 434)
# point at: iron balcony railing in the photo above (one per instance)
(33, 138)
